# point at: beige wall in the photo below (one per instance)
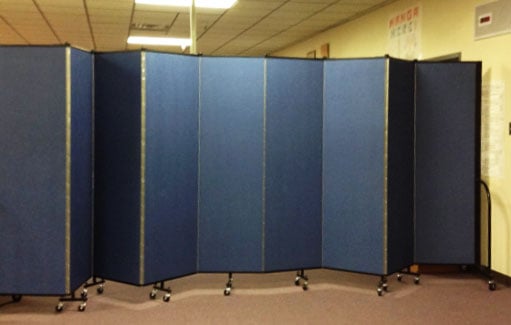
(446, 27)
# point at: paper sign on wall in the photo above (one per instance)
(404, 33)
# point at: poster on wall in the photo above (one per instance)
(493, 127)
(404, 33)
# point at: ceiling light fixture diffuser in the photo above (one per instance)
(212, 4)
(161, 41)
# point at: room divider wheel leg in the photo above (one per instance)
(228, 285)
(300, 276)
(492, 286)
(16, 298)
(382, 285)
(160, 286)
(72, 297)
(95, 282)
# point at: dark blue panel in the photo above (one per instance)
(353, 161)
(400, 165)
(117, 166)
(81, 167)
(32, 170)
(231, 165)
(294, 120)
(447, 164)
(171, 166)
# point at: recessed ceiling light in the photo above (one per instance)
(162, 41)
(213, 4)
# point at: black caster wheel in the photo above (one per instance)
(379, 291)
(417, 280)
(152, 295)
(83, 294)
(492, 286)
(166, 298)
(16, 298)
(100, 289)
(59, 307)
(305, 287)
(297, 281)
(227, 292)
(400, 277)
(82, 306)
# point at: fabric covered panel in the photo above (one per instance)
(400, 165)
(32, 170)
(231, 164)
(171, 166)
(117, 166)
(447, 162)
(81, 167)
(353, 161)
(294, 117)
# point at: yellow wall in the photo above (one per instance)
(446, 27)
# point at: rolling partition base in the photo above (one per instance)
(228, 285)
(160, 286)
(72, 297)
(95, 282)
(302, 279)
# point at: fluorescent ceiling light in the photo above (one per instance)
(214, 4)
(162, 41)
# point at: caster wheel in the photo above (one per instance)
(417, 280)
(16, 298)
(297, 281)
(400, 277)
(305, 287)
(83, 294)
(100, 289)
(152, 295)
(59, 307)
(227, 292)
(492, 285)
(385, 287)
(166, 298)
(379, 291)
(82, 307)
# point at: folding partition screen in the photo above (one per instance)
(45, 170)
(368, 165)
(447, 165)
(146, 166)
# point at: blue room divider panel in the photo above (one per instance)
(171, 166)
(293, 154)
(400, 160)
(117, 173)
(146, 166)
(81, 166)
(353, 161)
(447, 164)
(45, 187)
(231, 106)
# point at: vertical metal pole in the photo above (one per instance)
(193, 29)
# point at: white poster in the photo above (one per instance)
(404, 33)
(493, 129)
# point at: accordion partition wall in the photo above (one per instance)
(45, 171)
(145, 167)
(205, 164)
(368, 166)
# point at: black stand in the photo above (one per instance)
(95, 282)
(160, 286)
(486, 270)
(228, 285)
(72, 297)
(301, 277)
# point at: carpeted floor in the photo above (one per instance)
(333, 297)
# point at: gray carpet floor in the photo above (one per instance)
(333, 297)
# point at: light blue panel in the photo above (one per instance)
(172, 93)
(81, 167)
(32, 170)
(294, 120)
(447, 162)
(230, 164)
(117, 166)
(353, 165)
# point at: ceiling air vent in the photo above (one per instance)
(150, 27)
